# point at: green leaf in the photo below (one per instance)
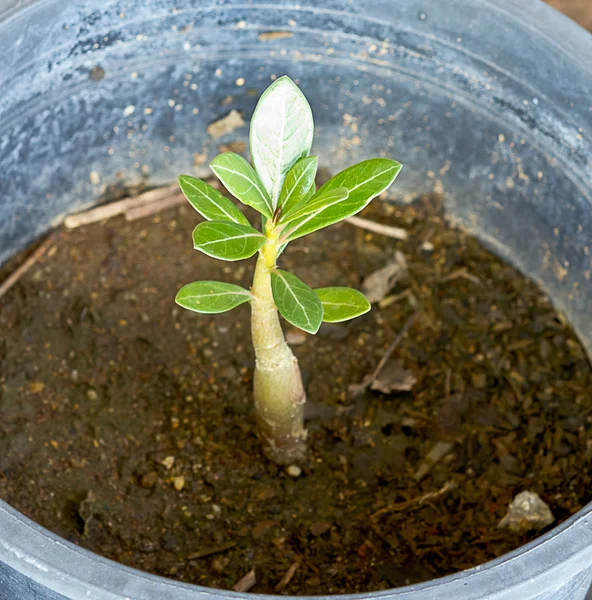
(211, 297)
(209, 202)
(298, 182)
(297, 303)
(363, 181)
(319, 202)
(282, 130)
(240, 179)
(342, 303)
(227, 241)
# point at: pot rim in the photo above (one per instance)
(77, 573)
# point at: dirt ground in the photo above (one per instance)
(578, 10)
(127, 425)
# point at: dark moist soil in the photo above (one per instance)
(127, 427)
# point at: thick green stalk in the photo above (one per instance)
(278, 391)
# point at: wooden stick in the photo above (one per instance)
(287, 577)
(113, 209)
(141, 212)
(37, 254)
(388, 230)
(246, 583)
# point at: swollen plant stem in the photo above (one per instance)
(278, 391)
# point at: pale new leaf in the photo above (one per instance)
(282, 130)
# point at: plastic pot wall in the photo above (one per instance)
(488, 101)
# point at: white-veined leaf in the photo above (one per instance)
(342, 303)
(209, 202)
(298, 182)
(227, 241)
(282, 130)
(211, 297)
(297, 303)
(363, 181)
(318, 203)
(240, 179)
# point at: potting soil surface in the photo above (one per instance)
(126, 423)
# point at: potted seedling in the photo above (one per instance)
(280, 185)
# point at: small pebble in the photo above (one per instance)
(317, 529)
(527, 512)
(295, 337)
(294, 471)
(91, 394)
(168, 462)
(179, 483)
(149, 480)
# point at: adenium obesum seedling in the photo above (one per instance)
(280, 185)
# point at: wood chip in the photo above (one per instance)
(387, 230)
(246, 583)
(394, 378)
(233, 120)
(435, 455)
(357, 389)
(20, 271)
(287, 577)
(141, 212)
(269, 36)
(378, 284)
(106, 211)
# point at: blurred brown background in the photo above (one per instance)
(578, 10)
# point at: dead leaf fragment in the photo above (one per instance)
(526, 512)
(237, 146)
(36, 387)
(233, 120)
(394, 378)
(269, 36)
(378, 284)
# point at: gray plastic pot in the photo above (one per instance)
(487, 100)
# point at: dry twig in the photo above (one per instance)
(461, 274)
(393, 232)
(37, 254)
(113, 209)
(246, 583)
(415, 502)
(140, 212)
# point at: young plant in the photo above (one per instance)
(281, 186)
